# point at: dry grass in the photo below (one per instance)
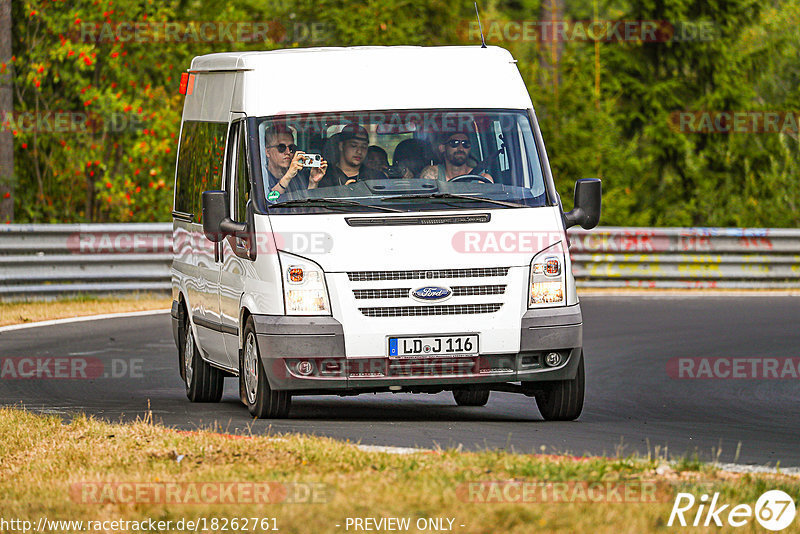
(42, 460)
(26, 312)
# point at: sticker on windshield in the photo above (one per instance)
(273, 196)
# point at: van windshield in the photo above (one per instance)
(409, 160)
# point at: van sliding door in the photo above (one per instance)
(235, 264)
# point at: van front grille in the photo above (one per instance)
(468, 291)
(441, 309)
(420, 274)
(395, 293)
(403, 292)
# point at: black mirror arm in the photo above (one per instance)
(229, 227)
(574, 217)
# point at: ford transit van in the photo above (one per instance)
(372, 219)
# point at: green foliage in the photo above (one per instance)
(607, 109)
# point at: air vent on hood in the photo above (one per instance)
(418, 221)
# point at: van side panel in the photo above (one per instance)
(203, 137)
(218, 95)
(237, 102)
(263, 291)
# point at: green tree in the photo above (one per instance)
(606, 108)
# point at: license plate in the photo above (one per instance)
(451, 346)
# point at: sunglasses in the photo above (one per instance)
(283, 146)
(453, 143)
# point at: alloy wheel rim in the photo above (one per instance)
(188, 358)
(250, 368)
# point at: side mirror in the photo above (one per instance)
(586, 209)
(216, 222)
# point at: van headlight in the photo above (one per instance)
(304, 289)
(547, 286)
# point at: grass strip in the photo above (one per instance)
(86, 469)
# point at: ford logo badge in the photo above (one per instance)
(429, 293)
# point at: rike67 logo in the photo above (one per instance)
(774, 510)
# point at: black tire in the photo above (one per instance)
(471, 397)
(260, 399)
(562, 400)
(203, 382)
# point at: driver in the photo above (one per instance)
(454, 147)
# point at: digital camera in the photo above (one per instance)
(311, 160)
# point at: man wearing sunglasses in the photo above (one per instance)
(454, 147)
(284, 164)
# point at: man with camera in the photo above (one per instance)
(285, 163)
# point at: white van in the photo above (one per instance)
(372, 219)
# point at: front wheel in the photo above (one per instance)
(562, 400)
(260, 399)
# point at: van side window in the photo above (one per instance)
(241, 190)
(184, 184)
(200, 160)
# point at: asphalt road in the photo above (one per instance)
(632, 403)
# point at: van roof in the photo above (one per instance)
(312, 80)
(254, 60)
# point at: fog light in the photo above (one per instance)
(553, 359)
(304, 368)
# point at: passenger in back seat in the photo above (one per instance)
(353, 144)
(414, 155)
(377, 159)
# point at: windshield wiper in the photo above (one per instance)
(455, 196)
(330, 202)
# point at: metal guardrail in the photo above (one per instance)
(45, 260)
(49, 260)
(758, 258)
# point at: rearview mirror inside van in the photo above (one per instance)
(586, 209)
(216, 222)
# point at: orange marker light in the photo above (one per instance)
(296, 274)
(552, 267)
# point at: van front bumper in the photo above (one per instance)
(308, 353)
